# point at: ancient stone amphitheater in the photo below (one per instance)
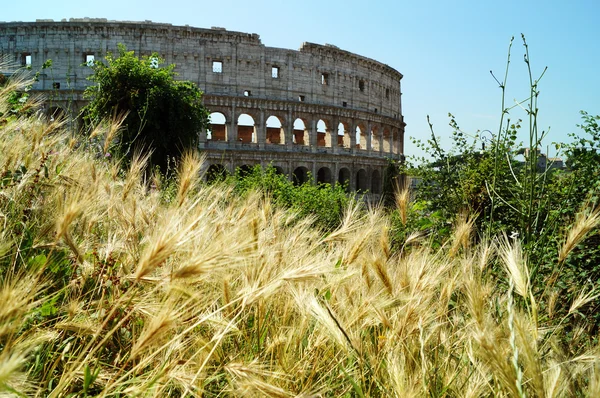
(319, 110)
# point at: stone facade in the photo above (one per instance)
(320, 109)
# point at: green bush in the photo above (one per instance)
(517, 198)
(162, 115)
(321, 201)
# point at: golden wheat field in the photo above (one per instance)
(109, 287)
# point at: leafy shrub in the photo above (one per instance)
(518, 198)
(161, 114)
(323, 202)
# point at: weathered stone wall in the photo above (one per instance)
(318, 84)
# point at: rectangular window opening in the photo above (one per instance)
(247, 93)
(56, 86)
(217, 67)
(89, 59)
(301, 98)
(275, 72)
(344, 104)
(325, 79)
(361, 85)
(25, 59)
(387, 93)
(375, 110)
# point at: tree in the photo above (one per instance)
(164, 115)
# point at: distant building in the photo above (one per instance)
(543, 161)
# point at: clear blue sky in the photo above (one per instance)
(444, 49)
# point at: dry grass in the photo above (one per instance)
(208, 294)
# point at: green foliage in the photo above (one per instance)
(20, 102)
(322, 201)
(583, 157)
(516, 198)
(461, 180)
(163, 115)
(576, 191)
(392, 181)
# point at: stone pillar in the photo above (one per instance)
(202, 138)
(368, 137)
(232, 137)
(401, 138)
(313, 135)
(353, 136)
(261, 130)
(333, 133)
(289, 133)
(232, 134)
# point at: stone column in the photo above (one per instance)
(333, 133)
(232, 136)
(202, 138)
(312, 131)
(261, 131)
(368, 137)
(353, 136)
(334, 174)
(401, 138)
(289, 133)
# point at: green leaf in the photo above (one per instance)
(37, 262)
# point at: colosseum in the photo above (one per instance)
(318, 111)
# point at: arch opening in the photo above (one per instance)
(246, 129)
(216, 172)
(218, 127)
(361, 138)
(324, 175)
(395, 148)
(375, 140)
(361, 181)
(344, 178)
(243, 170)
(323, 134)
(300, 136)
(300, 175)
(275, 131)
(279, 170)
(343, 136)
(376, 182)
(387, 140)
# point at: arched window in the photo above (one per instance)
(324, 175)
(246, 129)
(323, 134)
(300, 175)
(301, 135)
(361, 181)
(275, 132)
(218, 127)
(344, 178)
